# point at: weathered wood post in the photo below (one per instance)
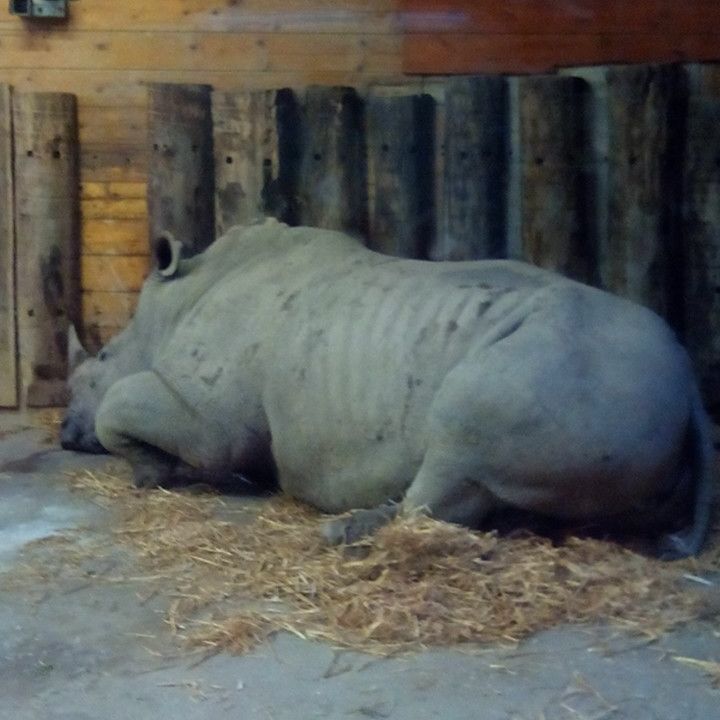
(471, 219)
(639, 256)
(701, 229)
(556, 220)
(8, 349)
(400, 147)
(332, 186)
(245, 127)
(181, 178)
(48, 240)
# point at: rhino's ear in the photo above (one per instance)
(167, 252)
(76, 352)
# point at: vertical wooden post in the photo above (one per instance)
(181, 182)
(639, 256)
(48, 240)
(332, 187)
(400, 170)
(8, 346)
(245, 139)
(471, 220)
(556, 214)
(701, 229)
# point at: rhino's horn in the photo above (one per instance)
(76, 352)
(167, 252)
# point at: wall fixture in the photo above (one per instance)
(39, 8)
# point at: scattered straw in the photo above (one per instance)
(231, 580)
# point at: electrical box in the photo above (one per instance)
(39, 8)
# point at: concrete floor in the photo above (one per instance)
(78, 650)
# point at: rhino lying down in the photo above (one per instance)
(389, 384)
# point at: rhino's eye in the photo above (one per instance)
(102, 355)
(92, 384)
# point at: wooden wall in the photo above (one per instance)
(108, 50)
(524, 36)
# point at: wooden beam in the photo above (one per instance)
(400, 149)
(639, 257)
(332, 191)
(8, 336)
(701, 230)
(181, 183)
(245, 141)
(474, 187)
(48, 240)
(556, 225)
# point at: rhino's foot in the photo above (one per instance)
(358, 524)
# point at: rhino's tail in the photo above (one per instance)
(701, 473)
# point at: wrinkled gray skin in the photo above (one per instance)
(459, 388)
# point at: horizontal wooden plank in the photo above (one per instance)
(475, 53)
(198, 51)
(94, 86)
(371, 16)
(105, 164)
(105, 87)
(527, 17)
(114, 273)
(122, 208)
(115, 237)
(93, 190)
(108, 309)
(128, 189)
(123, 125)
(127, 51)
(113, 190)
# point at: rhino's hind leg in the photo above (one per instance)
(443, 487)
(142, 420)
(448, 488)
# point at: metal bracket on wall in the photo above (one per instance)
(38, 9)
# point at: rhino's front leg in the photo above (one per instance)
(142, 420)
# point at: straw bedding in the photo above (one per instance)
(233, 575)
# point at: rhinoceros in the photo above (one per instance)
(379, 385)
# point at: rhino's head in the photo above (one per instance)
(90, 379)
(92, 376)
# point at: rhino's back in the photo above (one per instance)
(300, 296)
(356, 357)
